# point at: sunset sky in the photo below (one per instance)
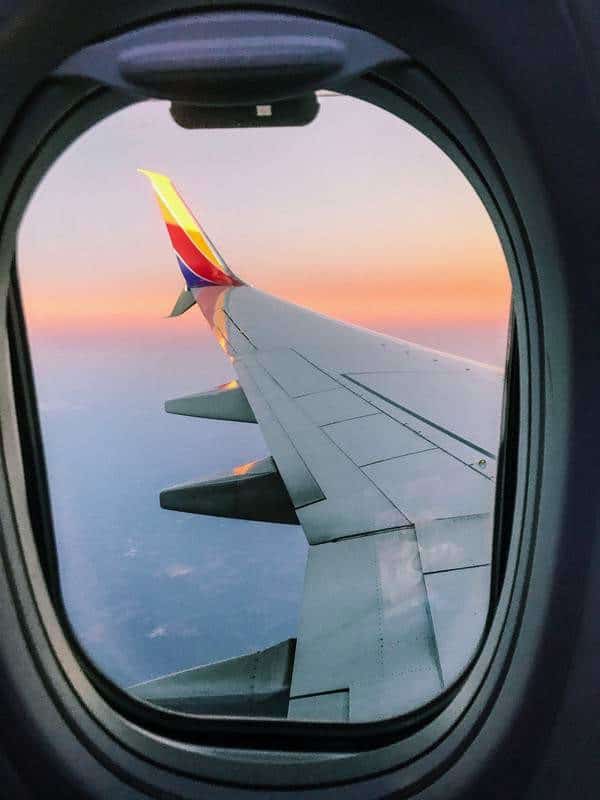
(356, 215)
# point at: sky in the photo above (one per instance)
(356, 215)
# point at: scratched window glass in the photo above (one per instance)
(269, 363)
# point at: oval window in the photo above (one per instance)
(307, 531)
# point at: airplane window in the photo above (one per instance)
(305, 529)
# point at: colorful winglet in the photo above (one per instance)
(198, 258)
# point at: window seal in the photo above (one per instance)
(30, 437)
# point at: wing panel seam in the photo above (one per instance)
(422, 419)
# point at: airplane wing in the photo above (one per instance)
(384, 452)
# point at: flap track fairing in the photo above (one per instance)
(254, 491)
(227, 402)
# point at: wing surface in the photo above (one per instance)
(387, 451)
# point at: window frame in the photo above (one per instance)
(416, 97)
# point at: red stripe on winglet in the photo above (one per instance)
(196, 260)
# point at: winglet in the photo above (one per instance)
(198, 258)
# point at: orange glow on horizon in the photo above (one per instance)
(446, 300)
(458, 299)
(389, 237)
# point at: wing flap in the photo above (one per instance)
(375, 639)
(455, 542)
(458, 602)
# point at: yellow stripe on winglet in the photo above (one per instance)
(175, 212)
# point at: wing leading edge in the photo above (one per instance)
(385, 453)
